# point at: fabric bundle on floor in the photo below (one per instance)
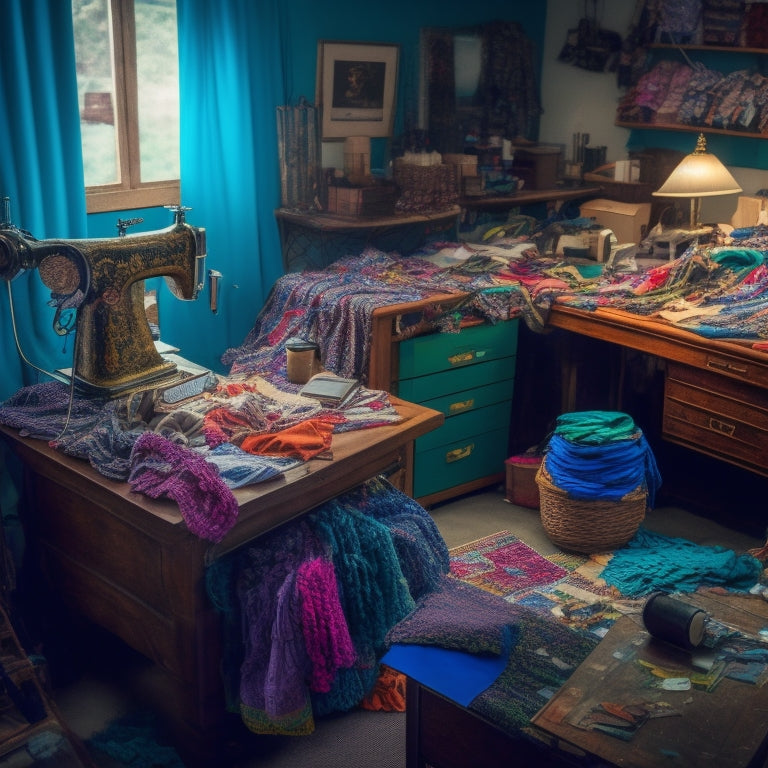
(306, 609)
(601, 455)
(651, 562)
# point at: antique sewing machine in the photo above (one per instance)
(103, 280)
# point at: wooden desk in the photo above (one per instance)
(726, 727)
(129, 564)
(716, 391)
(315, 240)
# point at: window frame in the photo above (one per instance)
(130, 192)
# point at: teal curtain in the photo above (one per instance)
(231, 59)
(41, 168)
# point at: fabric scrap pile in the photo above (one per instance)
(247, 431)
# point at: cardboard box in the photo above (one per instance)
(748, 211)
(378, 200)
(628, 221)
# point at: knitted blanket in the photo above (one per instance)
(306, 609)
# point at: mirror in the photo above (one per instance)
(478, 83)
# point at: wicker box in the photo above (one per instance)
(377, 200)
(521, 488)
(425, 188)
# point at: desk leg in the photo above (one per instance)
(413, 725)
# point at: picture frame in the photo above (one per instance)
(356, 87)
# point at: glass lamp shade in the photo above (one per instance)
(698, 175)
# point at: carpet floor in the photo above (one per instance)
(103, 694)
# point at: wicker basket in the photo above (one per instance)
(588, 526)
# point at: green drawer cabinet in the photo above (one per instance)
(468, 376)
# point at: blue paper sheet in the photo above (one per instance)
(457, 675)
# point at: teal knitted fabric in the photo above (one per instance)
(651, 561)
(595, 427)
(373, 591)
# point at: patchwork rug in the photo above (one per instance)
(564, 585)
(503, 565)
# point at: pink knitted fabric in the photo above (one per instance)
(326, 634)
(162, 468)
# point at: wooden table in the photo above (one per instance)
(723, 727)
(129, 564)
(528, 197)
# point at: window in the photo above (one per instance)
(128, 87)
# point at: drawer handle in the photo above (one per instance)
(459, 453)
(722, 426)
(720, 365)
(462, 357)
(462, 405)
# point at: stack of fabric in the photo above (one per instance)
(601, 455)
(598, 477)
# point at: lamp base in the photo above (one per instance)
(695, 222)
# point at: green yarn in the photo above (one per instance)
(133, 741)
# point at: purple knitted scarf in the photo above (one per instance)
(160, 468)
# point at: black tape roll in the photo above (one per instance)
(674, 621)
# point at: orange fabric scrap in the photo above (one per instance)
(388, 695)
(303, 440)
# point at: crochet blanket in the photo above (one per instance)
(540, 653)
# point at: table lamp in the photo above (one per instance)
(698, 175)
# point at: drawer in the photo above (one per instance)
(461, 426)
(435, 352)
(459, 384)
(469, 400)
(460, 462)
(717, 416)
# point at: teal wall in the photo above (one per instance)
(397, 22)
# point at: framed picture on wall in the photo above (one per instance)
(356, 84)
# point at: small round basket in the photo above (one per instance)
(588, 526)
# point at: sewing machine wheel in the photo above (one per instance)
(62, 274)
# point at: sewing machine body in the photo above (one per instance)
(104, 280)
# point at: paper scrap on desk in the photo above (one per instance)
(686, 313)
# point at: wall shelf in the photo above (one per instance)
(715, 48)
(689, 129)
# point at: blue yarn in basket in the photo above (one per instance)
(601, 455)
